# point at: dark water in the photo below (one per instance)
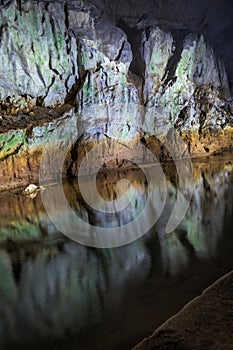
(58, 294)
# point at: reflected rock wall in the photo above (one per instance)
(42, 275)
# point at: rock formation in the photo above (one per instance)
(212, 19)
(67, 66)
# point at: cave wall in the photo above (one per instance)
(125, 84)
(213, 19)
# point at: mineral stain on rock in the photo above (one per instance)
(60, 57)
(78, 74)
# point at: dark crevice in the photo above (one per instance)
(67, 35)
(52, 82)
(42, 22)
(1, 32)
(179, 36)
(72, 93)
(71, 97)
(143, 140)
(147, 32)
(40, 75)
(46, 6)
(53, 27)
(66, 15)
(40, 99)
(51, 67)
(120, 51)
(181, 118)
(68, 45)
(66, 82)
(19, 6)
(74, 156)
(202, 121)
(32, 48)
(183, 113)
(134, 37)
(137, 66)
(81, 68)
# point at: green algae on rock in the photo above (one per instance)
(73, 53)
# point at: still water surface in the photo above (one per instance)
(58, 294)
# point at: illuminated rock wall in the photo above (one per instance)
(120, 83)
(212, 19)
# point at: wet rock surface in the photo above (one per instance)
(113, 133)
(205, 323)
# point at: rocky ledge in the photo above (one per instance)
(72, 78)
(205, 323)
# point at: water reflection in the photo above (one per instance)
(53, 289)
(57, 293)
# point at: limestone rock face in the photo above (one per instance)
(49, 49)
(213, 19)
(126, 84)
(105, 78)
(185, 81)
(156, 52)
(38, 57)
(105, 57)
